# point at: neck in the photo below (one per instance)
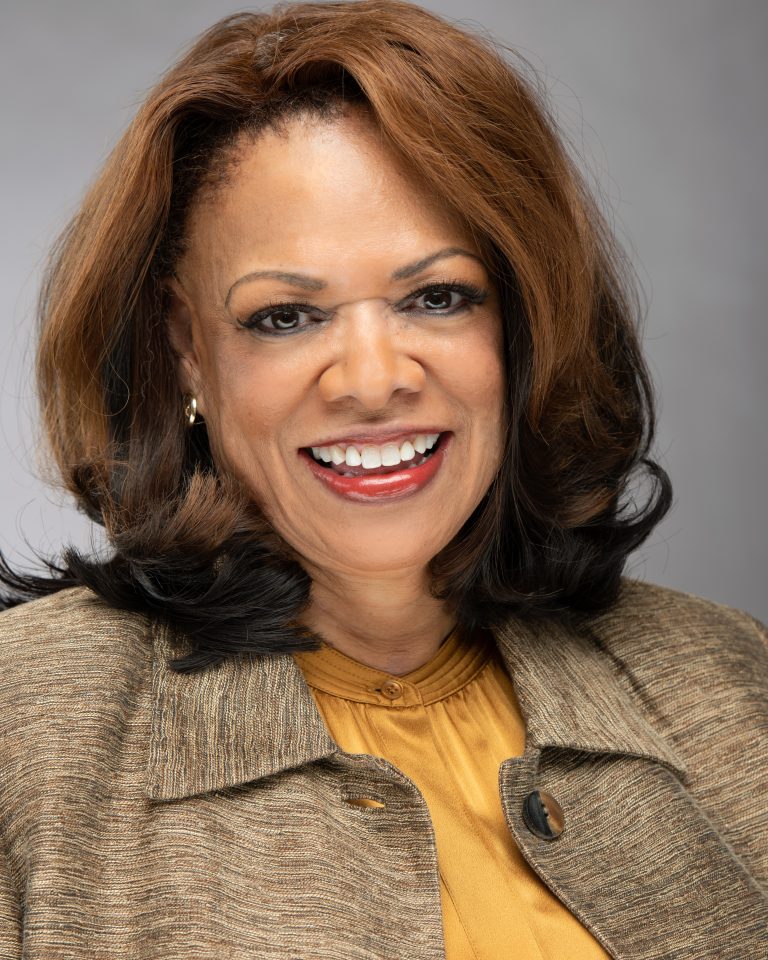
(388, 623)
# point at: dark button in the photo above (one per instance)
(392, 689)
(543, 815)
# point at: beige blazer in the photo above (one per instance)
(146, 814)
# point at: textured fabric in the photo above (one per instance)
(151, 815)
(448, 726)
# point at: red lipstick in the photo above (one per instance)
(381, 487)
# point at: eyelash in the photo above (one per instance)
(473, 294)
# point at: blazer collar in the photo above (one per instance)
(254, 716)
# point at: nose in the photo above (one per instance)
(371, 362)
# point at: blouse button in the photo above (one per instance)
(391, 689)
(543, 815)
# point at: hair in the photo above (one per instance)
(187, 544)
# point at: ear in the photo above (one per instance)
(181, 328)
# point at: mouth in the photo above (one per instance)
(368, 462)
(372, 473)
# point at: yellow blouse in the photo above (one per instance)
(448, 726)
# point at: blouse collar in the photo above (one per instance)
(457, 661)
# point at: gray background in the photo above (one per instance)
(664, 99)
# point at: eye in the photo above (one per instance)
(440, 299)
(277, 318)
(446, 298)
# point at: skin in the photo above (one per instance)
(326, 199)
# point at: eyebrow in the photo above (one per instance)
(311, 283)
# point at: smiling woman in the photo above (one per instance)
(340, 352)
(462, 283)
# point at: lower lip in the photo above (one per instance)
(382, 487)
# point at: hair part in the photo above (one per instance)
(551, 536)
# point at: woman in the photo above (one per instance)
(341, 355)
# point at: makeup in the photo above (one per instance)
(378, 488)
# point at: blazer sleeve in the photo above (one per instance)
(11, 922)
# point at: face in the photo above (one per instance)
(397, 339)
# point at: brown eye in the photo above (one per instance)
(280, 318)
(447, 298)
(284, 320)
(439, 299)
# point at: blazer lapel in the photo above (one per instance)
(244, 719)
(573, 695)
(638, 860)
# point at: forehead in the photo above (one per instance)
(319, 191)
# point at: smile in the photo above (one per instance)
(358, 460)
(373, 473)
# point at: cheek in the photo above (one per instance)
(479, 374)
(496, 375)
(481, 379)
(250, 400)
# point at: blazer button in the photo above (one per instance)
(392, 689)
(543, 815)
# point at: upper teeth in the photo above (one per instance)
(370, 456)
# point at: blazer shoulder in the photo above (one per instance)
(75, 676)
(654, 626)
(641, 599)
(68, 634)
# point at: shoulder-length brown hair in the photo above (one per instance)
(553, 532)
